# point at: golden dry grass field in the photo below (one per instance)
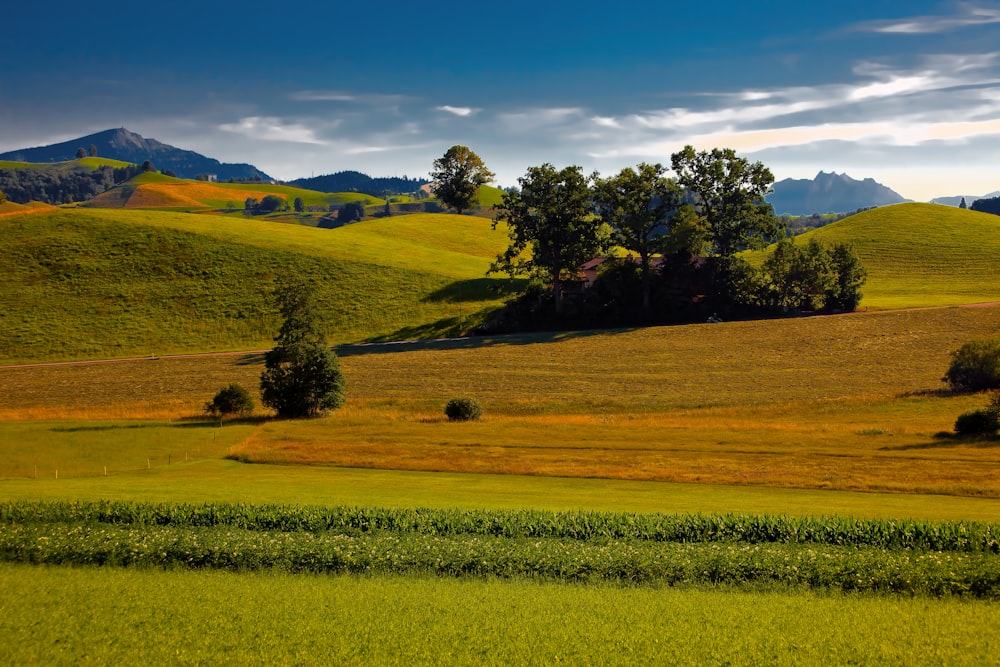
(850, 402)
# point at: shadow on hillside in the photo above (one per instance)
(472, 342)
(477, 289)
(946, 439)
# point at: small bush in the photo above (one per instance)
(978, 422)
(231, 400)
(975, 366)
(463, 409)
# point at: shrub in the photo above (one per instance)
(463, 409)
(978, 422)
(231, 400)
(975, 366)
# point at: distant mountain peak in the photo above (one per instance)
(829, 192)
(128, 146)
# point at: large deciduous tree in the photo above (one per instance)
(638, 204)
(301, 375)
(551, 225)
(728, 193)
(458, 175)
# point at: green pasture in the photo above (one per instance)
(111, 616)
(109, 283)
(922, 254)
(216, 480)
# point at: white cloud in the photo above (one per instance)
(458, 111)
(970, 15)
(269, 128)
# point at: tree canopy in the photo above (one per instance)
(458, 176)
(729, 193)
(638, 204)
(301, 375)
(553, 216)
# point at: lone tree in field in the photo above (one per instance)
(553, 216)
(458, 176)
(301, 375)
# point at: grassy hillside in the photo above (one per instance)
(153, 190)
(87, 162)
(98, 283)
(922, 254)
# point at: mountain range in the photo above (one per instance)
(829, 193)
(957, 199)
(127, 146)
(826, 193)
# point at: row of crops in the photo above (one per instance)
(910, 557)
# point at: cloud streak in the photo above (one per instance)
(971, 16)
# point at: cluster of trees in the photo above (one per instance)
(684, 235)
(990, 205)
(355, 181)
(269, 204)
(64, 186)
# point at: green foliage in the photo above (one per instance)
(301, 375)
(729, 192)
(231, 400)
(903, 557)
(639, 205)
(298, 205)
(975, 366)
(552, 227)
(810, 277)
(3, 197)
(458, 175)
(271, 203)
(463, 409)
(351, 212)
(985, 421)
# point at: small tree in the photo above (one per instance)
(975, 366)
(231, 400)
(962, 203)
(81, 153)
(985, 421)
(301, 375)
(3, 196)
(271, 203)
(463, 410)
(298, 205)
(92, 150)
(458, 175)
(351, 212)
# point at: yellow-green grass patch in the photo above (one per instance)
(107, 283)
(68, 615)
(922, 254)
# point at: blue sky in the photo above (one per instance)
(905, 92)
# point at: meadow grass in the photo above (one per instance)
(104, 283)
(922, 254)
(113, 616)
(215, 480)
(719, 404)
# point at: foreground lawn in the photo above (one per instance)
(63, 616)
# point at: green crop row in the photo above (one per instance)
(958, 536)
(824, 567)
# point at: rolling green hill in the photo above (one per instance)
(153, 190)
(922, 254)
(89, 283)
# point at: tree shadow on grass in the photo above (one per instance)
(477, 289)
(471, 342)
(946, 439)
